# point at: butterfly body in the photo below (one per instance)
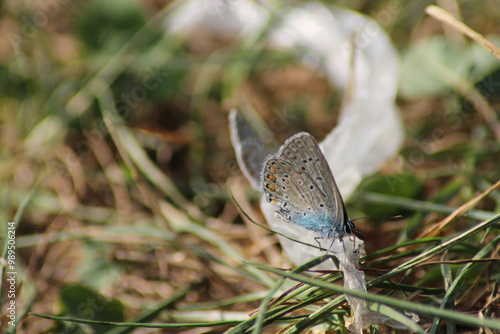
(299, 182)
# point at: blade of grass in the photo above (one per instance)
(20, 211)
(402, 245)
(264, 317)
(151, 314)
(459, 317)
(396, 316)
(266, 301)
(419, 205)
(136, 325)
(461, 211)
(451, 290)
(4, 261)
(443, 16)
(438, 249)
(110, 234)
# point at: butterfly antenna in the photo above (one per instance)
(379, 218)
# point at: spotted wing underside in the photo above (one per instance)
(299, 182)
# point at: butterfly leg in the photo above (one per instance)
(340, 240)
(331, 245)
(319, 244)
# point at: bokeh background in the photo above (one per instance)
(117, 163)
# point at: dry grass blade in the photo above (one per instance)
(443, 16)
(462, 210)
(474, 96)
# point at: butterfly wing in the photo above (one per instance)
(251, 151)
(300, 183)
(303, 150)
(296, 195)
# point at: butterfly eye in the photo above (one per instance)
(349, 227)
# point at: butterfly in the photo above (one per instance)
(300, 183)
